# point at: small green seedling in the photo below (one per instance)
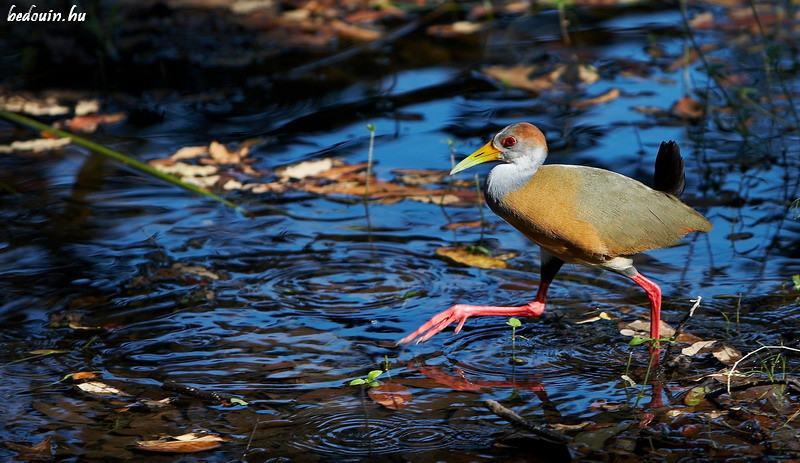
(369, 380)
(796, 281)
(514, 323)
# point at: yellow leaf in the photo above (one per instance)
(462, 256)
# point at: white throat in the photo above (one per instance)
(507, 177)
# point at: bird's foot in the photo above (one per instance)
(460, 313)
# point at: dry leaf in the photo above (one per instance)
(43, 451)
(703, 20)
(519, 77)
(419, 176)
(349, 31)
(391, 395)
(89, 122)
(186, 443)
(98, 388)
(33, 107)
(600, 316)
(610, 95)
(695, 348)
(641, 328)
(195, 270)
(457, 28)
(462, 256)
(457, 225)
(687, 108)
(305, 169)
(222, 155)
(726, 354)
(569, 427)
(36, 145)
(83, 375)
(189, 152)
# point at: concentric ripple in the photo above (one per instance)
(366, 276)
(349, 433)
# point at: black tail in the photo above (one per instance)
(668, 176)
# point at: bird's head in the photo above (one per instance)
(521, 143)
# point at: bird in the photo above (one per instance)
(576, 214)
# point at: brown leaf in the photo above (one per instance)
(726, 354)
(305, 169)
(90, 122)
(222, 155)
(610, 95)
(83, 375)
(457, 28)
(186, 443)
(519, 77)
(43, 451)
(189, 152)
(98, 388)
(419, 176)
(687, 108)
(696, 347)
(35, 145)
(462, 256)
(703, 20)
(641, 328)
(391, 395)
(457, 225)
(349, 31)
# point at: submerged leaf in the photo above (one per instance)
(462, 256)
(391, 395)
(186, 443)
(695, 396)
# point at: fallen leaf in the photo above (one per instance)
(222, 155)
(569, 427)
(457, 225)
(391, 395)
(36, 145)
(419, 176)
(695, 396)
(726, 354)
(462, 256)
(519, 77)
(90, 122)
(98, 388)
(703, 20)
(687, 108)
(83, 375)
(189, 152)
(195, 270)
(600, 316)
(457, 28)
(33, 107)
(84, 107)
(349, 31)
(43, 451)
(186, 443)
(641, 328)
(305, 169)
(610, 95)
(695, 348)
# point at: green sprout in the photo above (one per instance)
(369, 380)
(514, 323)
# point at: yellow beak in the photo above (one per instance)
(485, 154)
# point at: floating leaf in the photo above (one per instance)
(726, 354)
(43, 451)
(186, 443)
(391, 395)
(238, 401)
(695, 348)
(695, 396)
(610, 95)
(462, 256)
(98, 388)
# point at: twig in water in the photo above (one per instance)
(521, 423)
(736, 364)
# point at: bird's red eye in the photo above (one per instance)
(508, 142)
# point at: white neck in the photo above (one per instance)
(507, 177)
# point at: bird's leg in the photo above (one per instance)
(654, 293)
(460, 313)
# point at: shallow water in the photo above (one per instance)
(305, 302)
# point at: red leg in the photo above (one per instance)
(460, 313)
(654, 293)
